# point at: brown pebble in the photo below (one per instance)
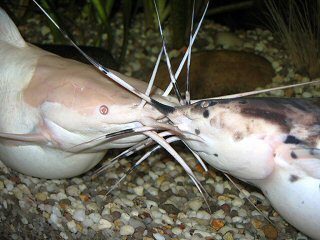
(226, 208)
(216, 224)
(117, 224)
(84, 197)
(182, 226)
(198, 168)
(256, 223)
(41, 196)
(64, 203)
(15, 179)
(270, 231)
(79, 227)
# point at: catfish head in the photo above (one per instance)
(240, 136)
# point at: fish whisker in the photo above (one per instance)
(128, 152)
(141, 159)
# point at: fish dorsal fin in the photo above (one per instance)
(9, 32)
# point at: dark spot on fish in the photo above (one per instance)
(165, 109)
(206, 113)
(293, 178)
(293, 155)
(302, 202)
(197, 131)
(274, 117)
(243, 102)
(292, 140)
(215, 154)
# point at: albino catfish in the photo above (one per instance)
(50, 104)
(272, 143)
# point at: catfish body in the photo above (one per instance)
(48, 104)
(272, 143)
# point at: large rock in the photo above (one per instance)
(217, 73)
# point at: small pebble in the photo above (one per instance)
(228, 236)
(138, 190)
(158, 236)
(104, 224)
(41, 196)
(79, 215)
(72, 226)
(203, 215)
(126, 230)
(73, 191)
(195, 204)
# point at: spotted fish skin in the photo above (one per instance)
(271, 143)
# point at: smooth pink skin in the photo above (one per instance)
(70, 94)
(54, 104)
(78, 86)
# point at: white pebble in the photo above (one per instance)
(306, 95)
(195, 204)
(125, 217)
(72, 226)
(134, 212)
(87, 222)
(242, 213)
(176, 230)
(150, 203)
(153, 191)
(237, 202)
(64, 235)
(73, 191)
(167, 219)
(138, 190)
(218, 214)
(158, 236)
(237, 219)
(202, 233)
(156, 214)
(203, 215)
(95, 217)
(126, 230)
(165, 186)
(54, 219)
(9, 185)
(24, 220)
(104, 224)
(56, 211)
(219, 188)
(61, 195)
(79, 215)
(92, 206)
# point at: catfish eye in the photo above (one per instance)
(204, 104)
(103, 109)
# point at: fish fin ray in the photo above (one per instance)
(27, 138)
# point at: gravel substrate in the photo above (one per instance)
(158, 200)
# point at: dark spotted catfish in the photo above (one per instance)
(272, 143)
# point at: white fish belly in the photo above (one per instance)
(46, 162)
(297, 199)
